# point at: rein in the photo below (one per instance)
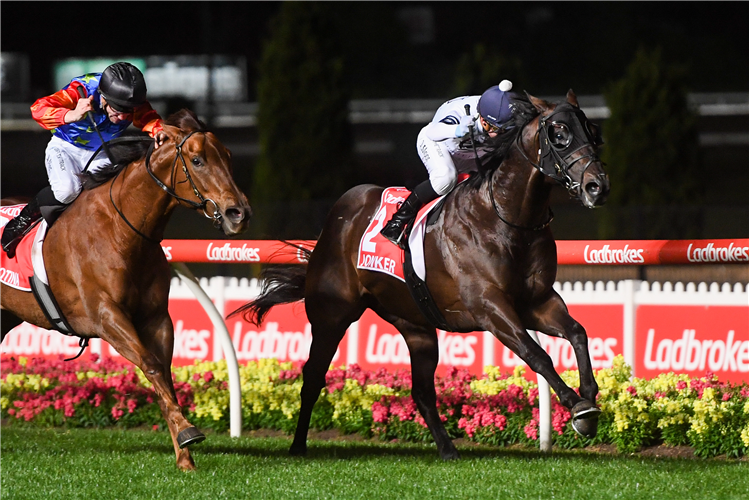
(491, 187)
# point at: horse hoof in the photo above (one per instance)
(450, 455)
(189, 436)
(298, 450)
(585, 419)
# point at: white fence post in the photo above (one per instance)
(232, 366)
(544, 406)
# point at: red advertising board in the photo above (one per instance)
(604, 326)
(31, 341)
(693, 340)
(380, 345)
(284, 334)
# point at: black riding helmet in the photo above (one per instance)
(123, 86)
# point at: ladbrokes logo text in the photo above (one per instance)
(608, 255)
(229, 253)
(711, 253)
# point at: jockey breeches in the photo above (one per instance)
(64, 162)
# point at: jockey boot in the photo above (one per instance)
(395, 227)
(15, 230)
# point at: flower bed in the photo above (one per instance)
(710, 416)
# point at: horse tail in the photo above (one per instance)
(281, 285)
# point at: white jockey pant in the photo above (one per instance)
(439, 163)
(64, 161)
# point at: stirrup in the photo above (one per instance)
(394, 240)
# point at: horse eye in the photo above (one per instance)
(559, 135)
(196, 161)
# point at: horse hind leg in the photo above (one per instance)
(325, 340)
(424, 351)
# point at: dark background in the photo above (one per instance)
(393, 52)
(584, 45)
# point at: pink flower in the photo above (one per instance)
(208, 376)
(631, 389)
(727, 396)
(117, 413)
(379, 412)
(680, 385)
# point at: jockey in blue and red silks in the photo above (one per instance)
(115, 99)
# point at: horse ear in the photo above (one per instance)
(539, 104)
(572, 98)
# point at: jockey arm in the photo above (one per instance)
(148, 120)
(65, 105)
(50, 111)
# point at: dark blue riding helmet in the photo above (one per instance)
(494, 104)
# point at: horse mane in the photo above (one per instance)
(522, 113)
(125, 153)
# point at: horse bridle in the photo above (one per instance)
(550, 161)
(216, 217)
(539, 227)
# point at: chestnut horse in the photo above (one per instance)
(104, 260)
(490, 260)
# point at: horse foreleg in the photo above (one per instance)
(552, 318)
(155, 362)
(422, 345)
(497, 315)
(8, 321)
(159, 340)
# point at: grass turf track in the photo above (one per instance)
(48, 464)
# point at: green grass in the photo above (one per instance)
(50, 464)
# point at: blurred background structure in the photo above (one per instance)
(313, 98)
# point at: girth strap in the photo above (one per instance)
(420, 293)
(52, 312)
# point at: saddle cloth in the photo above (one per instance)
(17, 271)
(377, 253)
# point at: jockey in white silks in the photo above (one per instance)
(447, 146)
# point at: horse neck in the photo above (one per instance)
(141, 201)
(521, 192)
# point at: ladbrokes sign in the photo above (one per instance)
(693, 340)
(687, 338)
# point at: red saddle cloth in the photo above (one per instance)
(16, 272)
(377, 253)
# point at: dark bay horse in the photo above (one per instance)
(490, 259)
(105, 264)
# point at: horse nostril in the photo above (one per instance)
(593, 189)
(235, 214)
